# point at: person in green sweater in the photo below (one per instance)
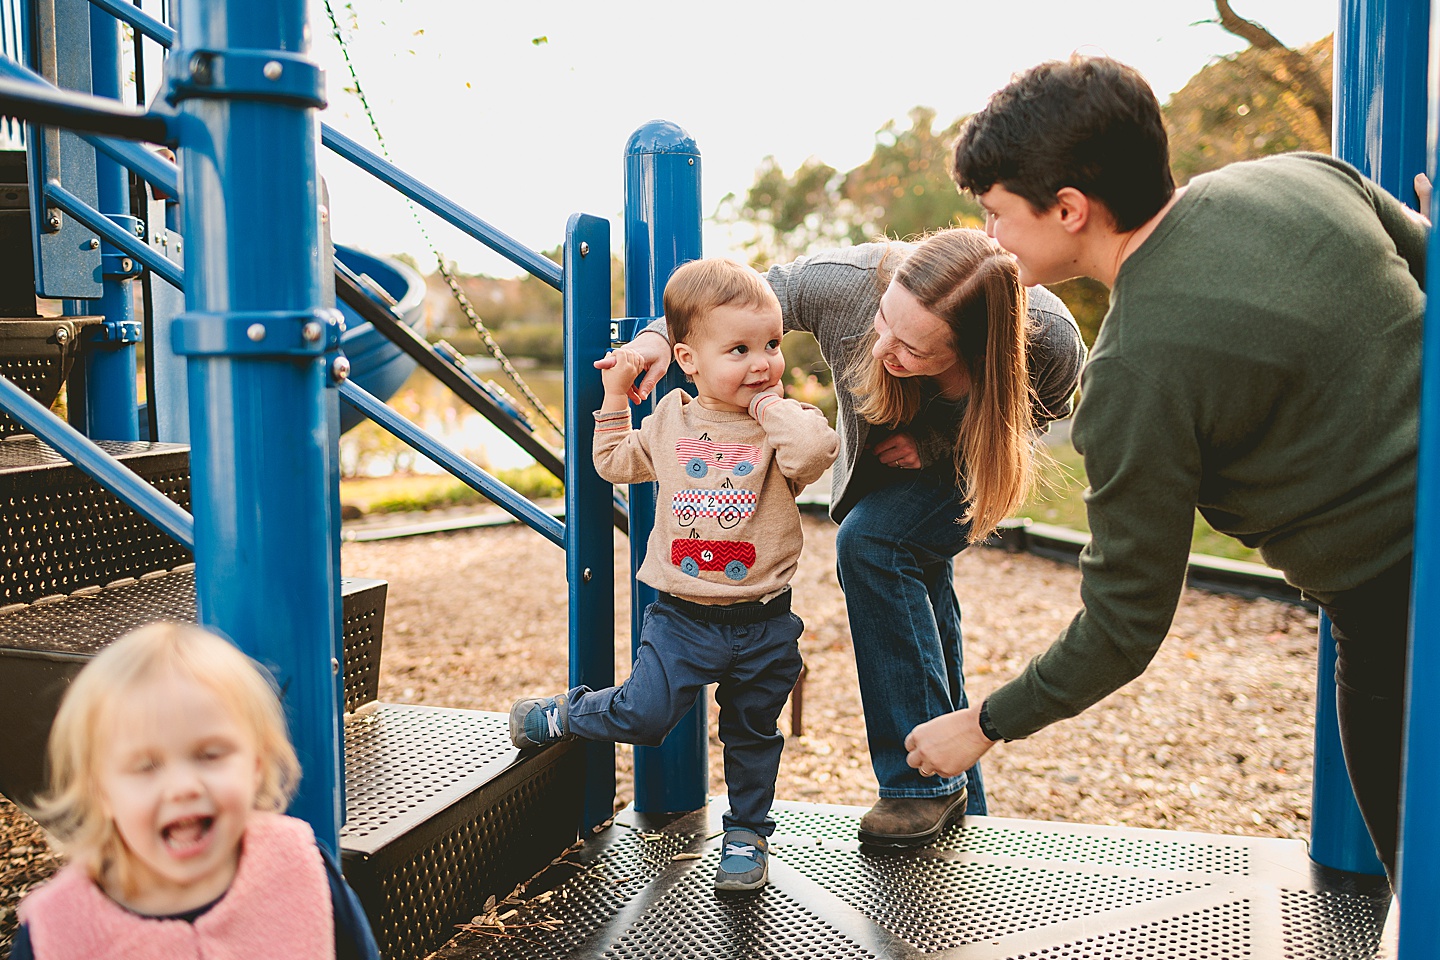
(1260, 362)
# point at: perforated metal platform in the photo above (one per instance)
(990, 888)
(443, 813)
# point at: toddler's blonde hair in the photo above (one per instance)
(73, 808)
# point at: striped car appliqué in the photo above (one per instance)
(725, 507)
(700, 456)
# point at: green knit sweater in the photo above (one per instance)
(1260, 361)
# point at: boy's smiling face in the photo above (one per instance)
(733, 354)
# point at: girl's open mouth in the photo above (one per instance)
(186, 836)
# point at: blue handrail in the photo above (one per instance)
(107, 471)
(442, 206)
(516, 505)
(153, 168)
(139, 19)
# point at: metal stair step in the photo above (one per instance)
(65, 532)
(443, 813)
(44, 644)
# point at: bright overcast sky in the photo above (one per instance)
(524, 134)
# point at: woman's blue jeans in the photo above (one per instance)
(894, 556)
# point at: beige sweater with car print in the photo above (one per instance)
(727, 529)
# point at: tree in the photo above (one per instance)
(903, 190)
(1250, 105)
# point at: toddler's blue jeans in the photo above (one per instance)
(754, 667)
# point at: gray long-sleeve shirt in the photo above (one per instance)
(835, 296)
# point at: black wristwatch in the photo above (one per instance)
(987, 726)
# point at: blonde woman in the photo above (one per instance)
(945, 366)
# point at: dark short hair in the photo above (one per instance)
(1091, 123)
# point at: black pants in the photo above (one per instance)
(1371, 625)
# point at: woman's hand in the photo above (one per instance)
(899, 450)
(654, 353)
(948, 746)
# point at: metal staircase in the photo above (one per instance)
(441, 811)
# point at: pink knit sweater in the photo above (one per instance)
(278, 906)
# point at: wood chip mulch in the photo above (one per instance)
(1215, 737)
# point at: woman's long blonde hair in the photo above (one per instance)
(963, 277)
(74, 808)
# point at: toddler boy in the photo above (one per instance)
(728, 464)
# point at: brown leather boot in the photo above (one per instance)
(911, 821)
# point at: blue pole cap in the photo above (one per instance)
(661, 136)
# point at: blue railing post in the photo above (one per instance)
(1381, 53)
(110, 400)
(589, 532)
(1338, 837)
(662, 231)
(1419, 856)
(261, 358)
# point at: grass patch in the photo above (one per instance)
(1058, 499)
(405, 493)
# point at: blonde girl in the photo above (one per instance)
(169, 766)
(944, 368)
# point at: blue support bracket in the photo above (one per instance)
(267, 333)
(66, 267)
(112, 233)
(269, 75)
(625, 329)
(589, 533)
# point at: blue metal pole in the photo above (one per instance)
(589, 533)
(111, 400)
(1381, 53)
(1419, 855)
(662, 231)
(1338, 837)
(261, 357)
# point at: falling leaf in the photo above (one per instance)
(419, 33)
(540, 40)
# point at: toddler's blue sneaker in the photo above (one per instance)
(744, 861)
(539, 721)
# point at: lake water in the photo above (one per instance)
(369, 450)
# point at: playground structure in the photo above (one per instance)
(232, 461)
